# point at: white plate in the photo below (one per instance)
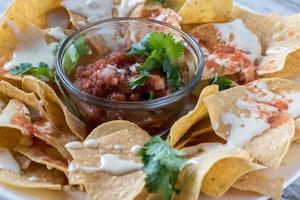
(290, 171)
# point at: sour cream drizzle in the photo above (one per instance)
(135, 149)
(8, 162)
(112, 164)
(94, 10)
(74, 145)
(91, 143)
(57, 33)
(31, 48)
(239, 36)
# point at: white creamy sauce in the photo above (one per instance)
(4, 6)
(127, 6)
(243, 38)
(57, 33)
(94, 10)
(91, 143)
(136, 149)
(31, 48)
(118, 147)
(8, 162)
(116, 166)
(250, 126)
(73, 167)
(262, 92)
(74, 145)
(33, 179)
(87, 169)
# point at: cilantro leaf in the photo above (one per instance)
(223, 82)
(162, 165)
(21, 69)
(76, 50)
(162, 41)
(161, 51)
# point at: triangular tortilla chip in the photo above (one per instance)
(242, 102)
(258, 182)
(54, 106)
(205, 11)
(32, 175)
(280, 40)
(190, 180)
(181, 126)
(32, 11)
(99, 185)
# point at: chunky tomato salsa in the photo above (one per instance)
(146, 71)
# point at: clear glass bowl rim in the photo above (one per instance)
(150, 104)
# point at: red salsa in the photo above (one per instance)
(109, 78)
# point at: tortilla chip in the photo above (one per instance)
(181, 126)
(216, 182)
(42, 153)
(41, 176)
(297, 131)
(280, 41)
(55, 137)
(16, 93)
(174, 4)
(204, 11)
(258, 182)
(53, 106)
(258, 146)
(13, 80)
(108, 128)
(33, 11)
(190, 180)
(7, 43)
(102, 185)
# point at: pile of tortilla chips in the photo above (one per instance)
(36, 126)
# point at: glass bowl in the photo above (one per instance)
(157, 115)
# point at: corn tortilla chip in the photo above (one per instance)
(190, 180)
(238, 101)
(32, 11)
(280, 41)
(32, 175)
(205, 11)
(257, 182)
(102, 185)
(53, 105)
(181, 126)
(216, 182)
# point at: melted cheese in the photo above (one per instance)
(238, 35)
(31, 48)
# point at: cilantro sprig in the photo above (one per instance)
(162, 165)
(43, 72)
(223, 82)
(74, 52)
(161, 51)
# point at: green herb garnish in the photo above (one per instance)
(74, 52)
(159, 1)
(162, 164)
(161, 51)
(223, 82)
(43, 72)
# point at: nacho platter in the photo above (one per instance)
(236, 133)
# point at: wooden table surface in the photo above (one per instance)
(284, 7)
